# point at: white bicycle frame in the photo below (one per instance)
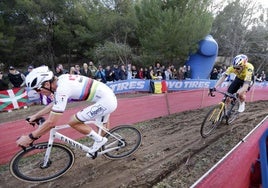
(54, 134)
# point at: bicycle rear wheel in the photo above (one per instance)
(211, 121)
(129, 141)
(28, 165)
(232, 112)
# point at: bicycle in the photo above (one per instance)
(42, 162)
(218, 113)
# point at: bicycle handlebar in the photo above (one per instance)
(38, 121)
(211, 90)
(233, 96)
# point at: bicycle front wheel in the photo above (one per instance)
(211, 121)
(126, 138)
(28, 165)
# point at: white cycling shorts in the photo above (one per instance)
(105, 103)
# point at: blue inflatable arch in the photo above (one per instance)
(203, 60)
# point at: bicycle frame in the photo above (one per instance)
(227, 96)
(215, 116)
(219, 116)
(54, 134)
(41, 163)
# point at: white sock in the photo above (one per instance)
(95, 136)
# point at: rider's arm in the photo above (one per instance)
(47, 125)
(25, 140)
(220, 81)
(42, 112)
(56, 110)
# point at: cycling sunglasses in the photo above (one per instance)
(238, 68)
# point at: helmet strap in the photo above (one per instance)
(50, 89)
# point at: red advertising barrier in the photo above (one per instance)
(234, 169)
(13, 99)
(129, 111)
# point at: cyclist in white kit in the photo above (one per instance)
(65, 88)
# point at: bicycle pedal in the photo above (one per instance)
(93, 156)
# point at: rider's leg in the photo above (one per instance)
(242, 97)
(84, 129)
(105, 103)
(235, 87)
(99, 111)
(107, 126)
(104, 120)
(87, 130)
(79, 125)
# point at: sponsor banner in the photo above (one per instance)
(17, 97)
(125, 86)
(176, 85)
(13, 99)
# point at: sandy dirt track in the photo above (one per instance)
(172, 154)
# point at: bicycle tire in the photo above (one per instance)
(232, 112)
(212, 120)
(26, 165)
(129, 135)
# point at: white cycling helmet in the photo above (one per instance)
(240, 60)
(38, 76)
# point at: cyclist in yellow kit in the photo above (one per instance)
(244, 72)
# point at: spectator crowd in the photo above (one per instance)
(111, 73)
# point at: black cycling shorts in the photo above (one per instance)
(235, 85)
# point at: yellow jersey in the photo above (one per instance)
(246, 74)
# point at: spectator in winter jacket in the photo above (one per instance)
(109, 74)
(123, 73)
(16, 78)
(100, 75)
(3, 81)
(85, 71)
(92, 68)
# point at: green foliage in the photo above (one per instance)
(113, 53)
(48, 31)
(71, 31)
(169, 30)
(241, 28)
(7, 37)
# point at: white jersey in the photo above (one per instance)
(76, 87)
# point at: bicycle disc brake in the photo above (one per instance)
(42, 166)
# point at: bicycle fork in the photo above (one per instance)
(219, 114)
(48, 150)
